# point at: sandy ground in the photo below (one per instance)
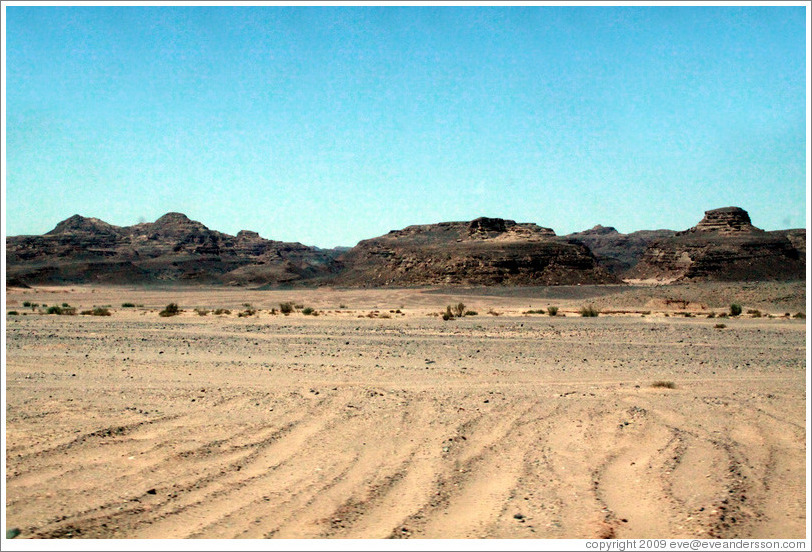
(350, 426)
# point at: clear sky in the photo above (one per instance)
(328, 125)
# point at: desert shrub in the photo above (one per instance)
(552, 311)
(13, 313)
(471, 313)
(307, 311)
(735, 309)
(171, 309)
(447, 316)
(589, 311)
(97, 311)
(712, 315)
(799, 315)
(247, 312)
(342, 306)
(664, 384)
(720, 326)
(221, 311)
(458, 309)
(533, 312)
(127, 305)
(202, 312)
(28, 304)
(65, 305)
(286, 308)
(68, 311)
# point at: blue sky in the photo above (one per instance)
(328, 125)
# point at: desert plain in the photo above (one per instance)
(376, 418)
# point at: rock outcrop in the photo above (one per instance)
(484, 251)
(726, 220)
(797, 237)
(617, 252)
(174, 248)
(723, 246)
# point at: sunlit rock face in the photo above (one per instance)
(173, 249)
(724, 246)
(484, 251)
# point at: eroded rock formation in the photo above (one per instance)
(484, 251)
(174, 248)
(618, 252)
(723, 246)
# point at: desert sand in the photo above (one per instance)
(356, 424)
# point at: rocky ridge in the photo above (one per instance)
(484, 251)
(724, 246)
(617, 252)
(174, 248)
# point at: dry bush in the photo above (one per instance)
(97, 311)
(589, 311)
(171, 309)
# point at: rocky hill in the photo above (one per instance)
(724, 246)
(174, 248)
(484, 251)
(618, 252)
